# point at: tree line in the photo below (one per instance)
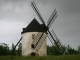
(51, 50)
(65, 50)
(6, 50)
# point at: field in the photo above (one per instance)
(61, 57)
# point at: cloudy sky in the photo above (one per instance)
(17, 14)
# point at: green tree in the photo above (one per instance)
(49, 50)
(63, 50)
(78, 49)
(13, 50)
(4, 49)
(19, 51)
(71, 50)
(52, 50)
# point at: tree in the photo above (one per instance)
(19, 51)
(78, 49)
(71, 50)
(13, 51)
(49, 50)
(52, 50)
(4, 49)
(63, 50)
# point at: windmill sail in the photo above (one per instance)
(38, 46)
(52, 18)
(49, 24)
(54, 40)
(37, 12)
(38, 41)
(57, 40)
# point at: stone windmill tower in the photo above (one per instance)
(29, 33)
(34, 35)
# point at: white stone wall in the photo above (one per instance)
(26, 45)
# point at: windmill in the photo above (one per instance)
(37, 43)
(34, 46)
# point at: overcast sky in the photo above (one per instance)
(17, 14)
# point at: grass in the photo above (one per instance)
(61, 57)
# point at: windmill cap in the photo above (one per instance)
(34, 26)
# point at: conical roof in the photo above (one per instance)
(34, 26)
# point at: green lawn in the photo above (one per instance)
(61, 57)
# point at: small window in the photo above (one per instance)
(33, 36)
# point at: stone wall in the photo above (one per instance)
(26, 45)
